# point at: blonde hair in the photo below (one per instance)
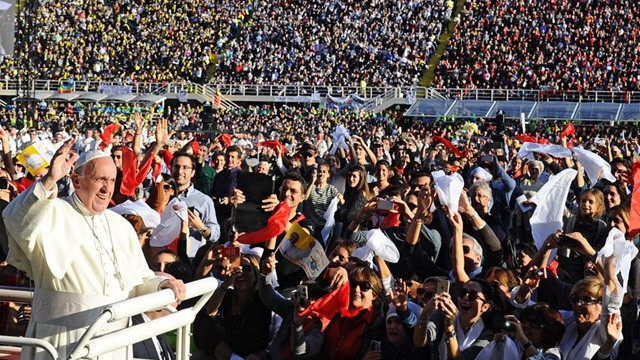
(591, 286)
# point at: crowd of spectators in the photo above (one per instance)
(383, 43)
(281, 42)
(549, 45)
(440, 282)
(124, 41)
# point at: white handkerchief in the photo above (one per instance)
(150, 217)
(382, 246)
(449, 188)
(623, 252)
(329, 219)
(527, 150)
(593, 165)
(549, 200)
(170, 224)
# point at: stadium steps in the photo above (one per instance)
(216, 98)
(429, 74)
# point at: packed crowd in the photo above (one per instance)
(124, 41)
(282, 42)
(550, 45)
(414, 269)
(384, 43)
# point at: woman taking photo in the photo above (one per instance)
(355, 197)
(238, 321)
(456, 331)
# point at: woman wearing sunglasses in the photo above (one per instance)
(349, 334)
(456, 330)
(593, 328)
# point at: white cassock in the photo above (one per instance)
(79, 264)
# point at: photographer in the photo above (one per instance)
(299, 336)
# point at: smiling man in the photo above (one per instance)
(80, 255)
(203, 224)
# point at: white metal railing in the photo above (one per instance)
(91, 347)
(273, 90)
(541, 95)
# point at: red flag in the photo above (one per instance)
(106, 135)
(634, 215)
(447, 144)
(526, 138)
(167, 157)
(273, 144)
(327, 306)
(195, 147)
(276, 224)
(131, 176)
(569, 130)
(225, 139)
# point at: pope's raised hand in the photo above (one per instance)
(61, 164)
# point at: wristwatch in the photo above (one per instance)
(203, 231)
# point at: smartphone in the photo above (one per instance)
(567, 242)
(193, 210)
(500, 324)
(486, 159)
(303, 294)
(230, 251)
(4, 183)
(384, 204)
(375, 345)
(541, 273)
(442, 286)
(233, 254)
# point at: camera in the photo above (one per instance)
(541, 273)
(567, 242)
(385, 205)
(303, 295)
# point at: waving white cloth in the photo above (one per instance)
(329, 219)
(378, 244)
(549, 200)
(170, 224)
(506, 349)
(150, 217)
(528, 149)
(593, 165)
(623, 252)
(340, 137)
(448, 188)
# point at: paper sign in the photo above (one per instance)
(37, 156)
(302, 249)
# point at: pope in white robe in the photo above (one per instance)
(80, 255)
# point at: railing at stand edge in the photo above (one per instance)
(90, 347)
(542, 95)
(275, 90)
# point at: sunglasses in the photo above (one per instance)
(307, 155)
(167, 187)
(425, 294)
(246, 268)
(364, 286)
(583, 300)
(466, 250)
(473, 295)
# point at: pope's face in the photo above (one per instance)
(95, 185)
